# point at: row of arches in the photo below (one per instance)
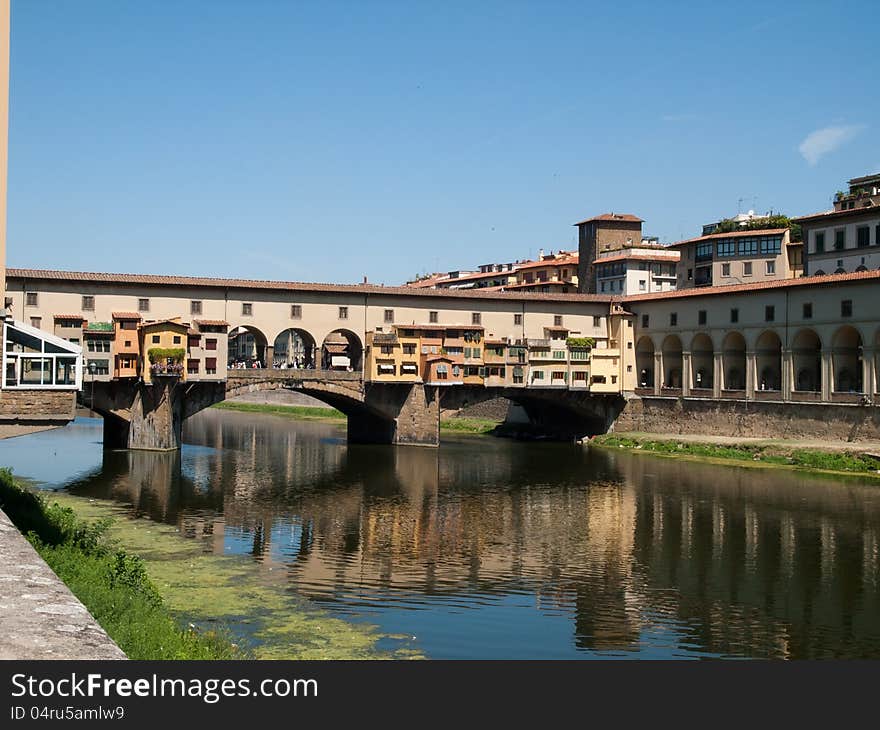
(341, 349)
(847, 365)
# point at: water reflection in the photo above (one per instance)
(487, 548)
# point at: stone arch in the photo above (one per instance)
(672, 359)
(819, 273)
(806, 356)
(645, 361)
(768, 351)
(346, 347)
(247, 345)
(861, 267)
(295, 347)
(846, 360)
(733, 361)
(702, 362)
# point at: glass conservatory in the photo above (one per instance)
(37, 360)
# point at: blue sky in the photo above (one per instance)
(327, 141)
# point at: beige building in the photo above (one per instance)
(847, 238)
(804, 339)
(740, 257)
(636, 270)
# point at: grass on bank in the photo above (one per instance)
(112, 584)
(815, 459)
(457, 425)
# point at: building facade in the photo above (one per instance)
(601, 234)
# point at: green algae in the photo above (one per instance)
(248, 602)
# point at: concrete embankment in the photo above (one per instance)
(39, 616)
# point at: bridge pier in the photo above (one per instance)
(140, 416)
(410, 415)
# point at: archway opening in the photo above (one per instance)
(702, 362)
(645, 362)
(342, 350)
(248, 347)
(768, 351)
(294, 348)
(733, 361)
(671, 353)
(806, 353)
(846, 360)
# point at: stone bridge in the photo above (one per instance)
(141, 416)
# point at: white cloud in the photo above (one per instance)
(820, 142)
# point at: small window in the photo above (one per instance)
(771, 267)
(747, 268)
(143, 305)
(195, 306)
(210, 344)
(432, 317)
(769, 313)
(517, 319)
(476, 317)
(30, 299)
(690, 274)
(819, 242)
(296, 311)
(597, 321)
(211, 365)
(734, 315)
(36, 321)
(725, 269)
(701, 316)
(642, 285)
(192, 367)
(839, 239)
(247, 309)
(155, 339)
(863, 236)
(673, 319)
(88, 304)
(846, 308)
(176, 339)
(808, 310)
(645, 320)
(389, 316)
(343, 313)
(557, 320)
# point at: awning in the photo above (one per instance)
(386, 368)
(340, 361)
(409, 368)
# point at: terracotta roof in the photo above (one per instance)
(624, 217)
(838, 214)
(216, 283)
(561, 261)
(77, 317)
(212, 322)
(544, 283)
(824, 280)
(732, 234)
(640, 257)
(175, 321)
(126, 315)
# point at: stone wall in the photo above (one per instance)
(41, 618)
(672, 416)
(44, 406)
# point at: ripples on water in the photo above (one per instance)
(493, 549)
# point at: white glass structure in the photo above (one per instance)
(37, 360)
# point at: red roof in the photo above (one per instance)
(212, 322)
(640, 257)
(77, 317)
(613, 217)
(292, 286)
(758, 287)
(837, 214)
(560, 261)
(733, 234)
(126, 315)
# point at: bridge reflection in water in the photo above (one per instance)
(628, 553)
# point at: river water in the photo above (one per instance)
(488, 548)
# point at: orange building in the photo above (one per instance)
(127, 349)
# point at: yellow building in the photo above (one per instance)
(163, 344)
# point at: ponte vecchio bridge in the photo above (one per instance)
(781, 350)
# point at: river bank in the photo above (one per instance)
(861, 460)
(162, 596)
(309, 413)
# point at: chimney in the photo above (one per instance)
(365, 279)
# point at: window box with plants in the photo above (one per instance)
(166, 361)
